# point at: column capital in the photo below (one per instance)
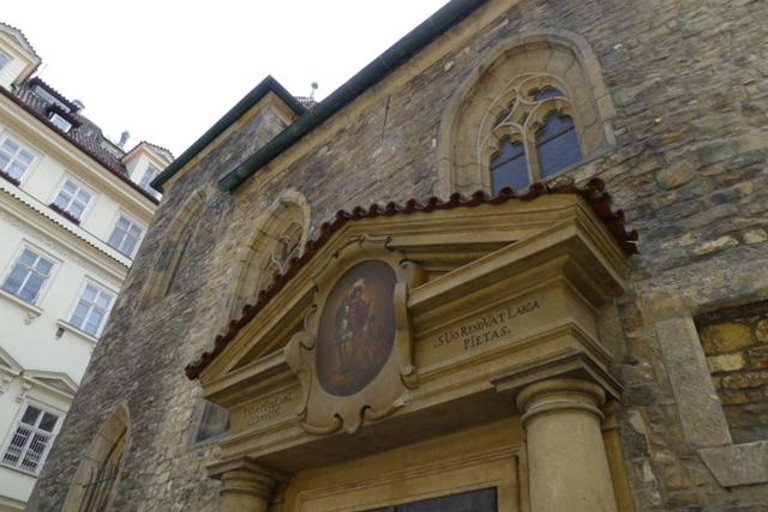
(245, 476)
(558, 395)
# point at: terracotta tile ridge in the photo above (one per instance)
(594, 193)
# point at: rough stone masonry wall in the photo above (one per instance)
(690, 84)
(736, 345)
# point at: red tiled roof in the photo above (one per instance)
(86, 136)
(594, 193)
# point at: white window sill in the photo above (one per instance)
(77, 332)
(32, 310)
(32, 474)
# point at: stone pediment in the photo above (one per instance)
(389, 308)
(55, 381)
(439, 250)
(8, 364)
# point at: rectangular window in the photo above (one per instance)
(150, 174)
(61, 123)
(92, 309)
(73, 198)
(31, 439)
(15, 159)
(126, 236)
(28, 276)
(4, 59)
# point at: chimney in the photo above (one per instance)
(124, 138)
(79, 106)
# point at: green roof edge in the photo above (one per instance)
(426, 32)
(269, 84)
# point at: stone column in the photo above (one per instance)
(567, 463)
(246, 485)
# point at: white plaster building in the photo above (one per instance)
(73, 210)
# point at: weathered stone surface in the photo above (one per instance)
(690, 82)
(702, 415)
(676, 176)
(726, 362)
(728, 337)
(743, 464)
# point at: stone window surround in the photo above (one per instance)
(183, 225)
(701, 412)
(290, 208)
(592, 115)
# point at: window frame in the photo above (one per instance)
(60, 415)
(144, 182)
(55, 262)
(57, 120)
(81, 186)
(8, 59)
(523, 124)
(101, 288)
(4, 136)
(132, 220)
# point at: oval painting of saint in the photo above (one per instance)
(357, 328)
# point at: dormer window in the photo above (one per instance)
(61, 123)
(150, 174)
(4, 60)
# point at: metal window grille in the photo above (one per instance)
(31, 440)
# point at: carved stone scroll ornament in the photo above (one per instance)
(354, 357)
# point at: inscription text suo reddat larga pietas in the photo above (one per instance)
(486, 329)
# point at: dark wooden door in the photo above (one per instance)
(483, 500)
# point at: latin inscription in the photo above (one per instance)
(266, 410)
(486, 329)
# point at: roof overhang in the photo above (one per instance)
(248, 102)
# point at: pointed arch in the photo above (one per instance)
(506, 103)
(278, 236)
(170, 256)
(98, 475)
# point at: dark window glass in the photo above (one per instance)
(483, 500)
(546, 93)
(558, 145)
(509, 167)
(504, 113)
(214, 422)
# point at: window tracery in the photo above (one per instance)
(533, 136)
(277, 239)
(536, 107)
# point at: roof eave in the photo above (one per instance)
(269, 84)
(435, 26)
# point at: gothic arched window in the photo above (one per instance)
(102, 481)
(534, 135)
(98, 476)
(533, 109)
(277, 239)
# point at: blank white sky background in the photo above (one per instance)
(167, 70)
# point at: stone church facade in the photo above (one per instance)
(385, 337)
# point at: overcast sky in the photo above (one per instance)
(167, 70)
